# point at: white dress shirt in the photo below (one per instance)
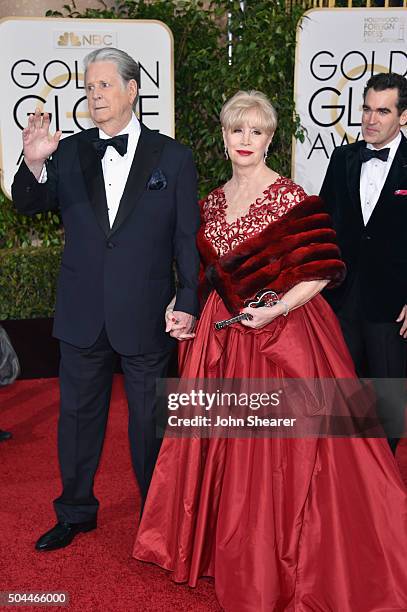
(116, 168)
(373, 176)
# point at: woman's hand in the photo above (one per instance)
(294, 298)
(178, 324)
(260, 317)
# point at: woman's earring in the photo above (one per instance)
(226, 153)
(266, 152)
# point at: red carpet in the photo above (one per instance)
(97, 570)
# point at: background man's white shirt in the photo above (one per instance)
(373, 176)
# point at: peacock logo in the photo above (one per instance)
(69, 38)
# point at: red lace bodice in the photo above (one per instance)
(276, 200)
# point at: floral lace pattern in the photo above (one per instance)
(276, 200)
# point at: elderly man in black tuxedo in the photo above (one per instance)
(127, 196)
(365, 189)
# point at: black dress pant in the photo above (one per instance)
(86, 377)
(378, 352)
(377, 349)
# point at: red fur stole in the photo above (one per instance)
(301, 246)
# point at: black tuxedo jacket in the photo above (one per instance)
(375, 255)
(120, 277)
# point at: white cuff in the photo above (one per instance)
(43, 176)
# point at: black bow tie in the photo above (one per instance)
(367, 154)
(118, 142)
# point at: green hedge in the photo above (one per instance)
(28, 281)
(262, 58)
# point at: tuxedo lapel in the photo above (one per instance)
(353, 168)
(397, 174)
(396, 178)
(145, 159)
(93, 174)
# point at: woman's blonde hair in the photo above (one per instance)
(234, 111)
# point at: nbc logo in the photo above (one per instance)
(89, 40)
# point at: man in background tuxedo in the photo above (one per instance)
(365, 190)
(127, 196)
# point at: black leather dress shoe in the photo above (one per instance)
(62, 534)
(5, 435)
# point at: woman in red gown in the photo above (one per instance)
(297, 525)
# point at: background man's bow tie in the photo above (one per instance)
(367, 154)
(118, 142)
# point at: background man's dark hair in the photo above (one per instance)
(390, 80)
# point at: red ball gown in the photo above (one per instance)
(296, 525)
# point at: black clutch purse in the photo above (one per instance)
(9, 365)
